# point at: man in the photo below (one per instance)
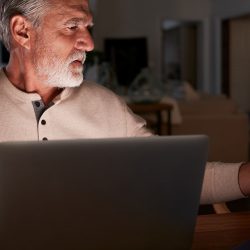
(42, 96)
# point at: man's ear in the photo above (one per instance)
(20, 29)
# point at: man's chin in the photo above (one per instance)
(66, 82)
(70, 84)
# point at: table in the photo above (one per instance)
(221, 231)
(157, 109)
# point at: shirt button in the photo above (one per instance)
(45, 139)
(43, 122)
(38, 104)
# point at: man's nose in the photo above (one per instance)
(84, 41)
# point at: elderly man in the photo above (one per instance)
(43, 95)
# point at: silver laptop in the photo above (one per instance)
(115, 194)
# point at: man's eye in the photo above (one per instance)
(72, 27)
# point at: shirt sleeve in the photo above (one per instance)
(221, 183)
(136, 125)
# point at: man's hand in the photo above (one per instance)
(244, 179)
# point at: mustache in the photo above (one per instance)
(79, 56)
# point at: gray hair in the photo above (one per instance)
(33, 10)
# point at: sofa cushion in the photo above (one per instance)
(210, 106)
(228, 135)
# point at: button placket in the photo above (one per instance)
(43, 128)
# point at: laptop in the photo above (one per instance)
(115, 194)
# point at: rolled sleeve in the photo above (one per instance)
(221, 183)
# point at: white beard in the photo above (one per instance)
(58, 73)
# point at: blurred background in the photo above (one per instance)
(202, 42)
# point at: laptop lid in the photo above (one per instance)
(135, 193)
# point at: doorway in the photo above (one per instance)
(180, 51)
(236, 60)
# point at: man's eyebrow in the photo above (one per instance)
(85, 21)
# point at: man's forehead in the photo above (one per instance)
(79, 5)
(82, 2)
(70, 8)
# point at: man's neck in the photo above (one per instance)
(23, 78)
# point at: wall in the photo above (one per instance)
(119, 18)
(228, 8)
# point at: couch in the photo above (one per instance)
(220, 119)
